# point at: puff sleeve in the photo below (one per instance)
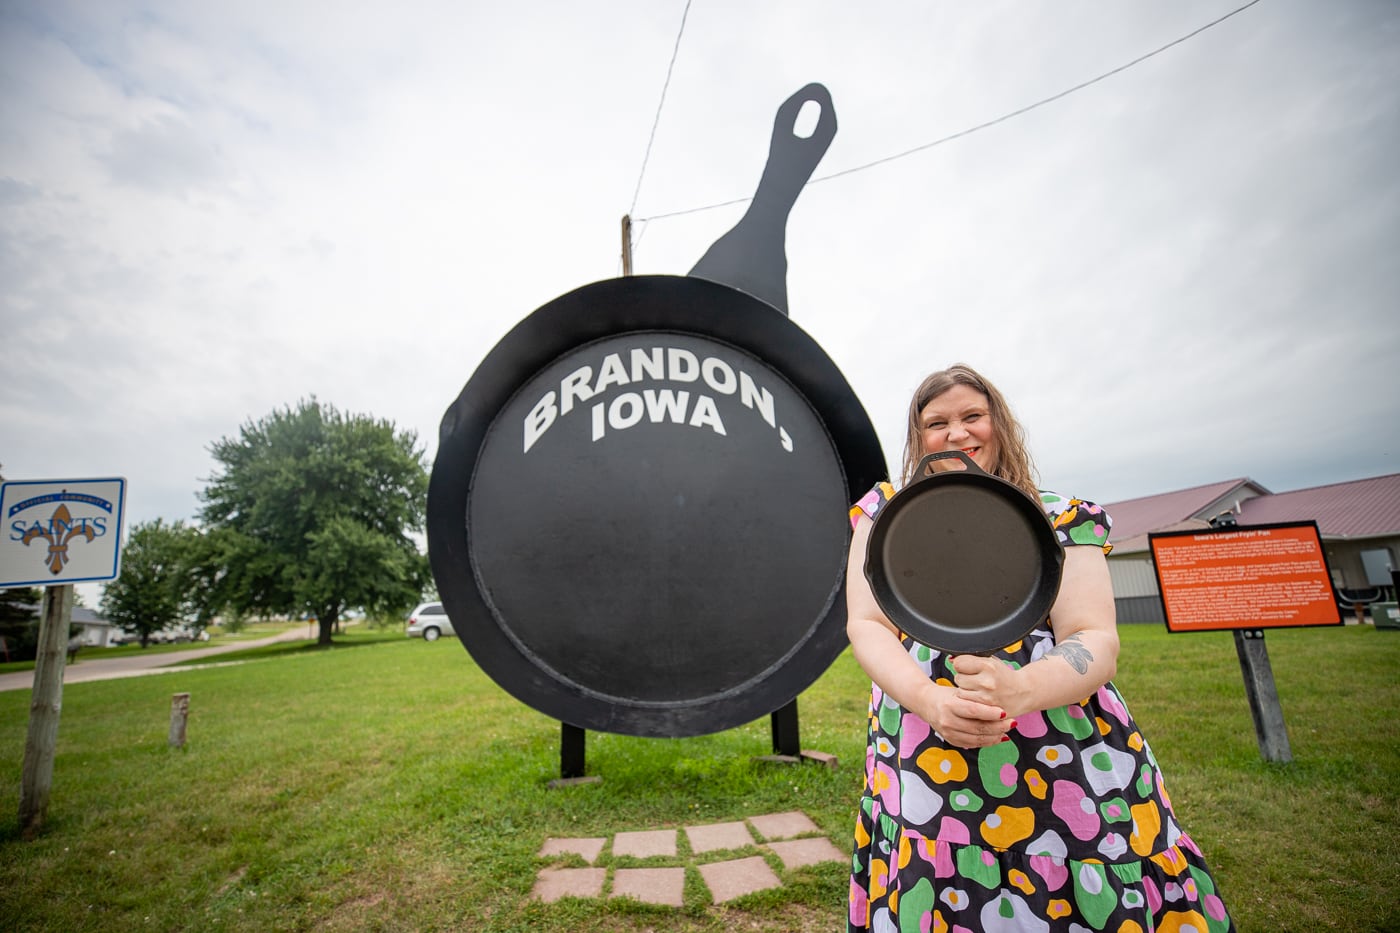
(1077, 521)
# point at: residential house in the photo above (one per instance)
(93, 630)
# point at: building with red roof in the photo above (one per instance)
(1358, 521)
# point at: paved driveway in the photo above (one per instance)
(137, 665)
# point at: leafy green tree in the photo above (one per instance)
(312, 514)
(205, 582)
(19, 622)
(152, 591)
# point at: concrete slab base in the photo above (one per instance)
(573, 782)
(587, 849)
(660, 842)
(554, 883)
(651, 885)
(717, 836)
(783, 825)
(796, 853)
(737, 877)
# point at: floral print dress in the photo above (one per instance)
(1067, 827)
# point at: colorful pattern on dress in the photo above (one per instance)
(1067, 827)
(871, 502)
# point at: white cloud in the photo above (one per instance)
(1181, 274)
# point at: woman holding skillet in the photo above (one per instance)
(1011, 792)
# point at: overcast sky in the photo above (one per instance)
(1185, 273)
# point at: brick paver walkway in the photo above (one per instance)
(722, 853)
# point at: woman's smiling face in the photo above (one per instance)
(960, 419)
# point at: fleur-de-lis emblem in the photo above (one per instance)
(61, 531)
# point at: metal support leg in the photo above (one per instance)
(571, 750)
(785, 737)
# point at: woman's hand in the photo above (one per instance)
(960, 721)
(991, 682)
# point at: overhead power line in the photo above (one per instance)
(660, 104)
(981, 126)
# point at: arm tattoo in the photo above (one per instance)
(1074, 652)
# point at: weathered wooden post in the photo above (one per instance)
(1259, 688)
(36, 778)
(179, 714)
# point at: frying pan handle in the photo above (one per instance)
(922, 471)
(752, 256)
(791, 158)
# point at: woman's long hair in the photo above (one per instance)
(1013, 459)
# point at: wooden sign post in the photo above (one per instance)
(1247, 579)
(36, 775)
(1259, 689)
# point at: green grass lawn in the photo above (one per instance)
(394, 787)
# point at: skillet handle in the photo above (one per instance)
(921, 472)
(752, 256)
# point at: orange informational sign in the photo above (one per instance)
(1260, 576)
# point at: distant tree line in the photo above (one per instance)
(19, 618)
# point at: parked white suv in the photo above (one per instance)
(430, 621)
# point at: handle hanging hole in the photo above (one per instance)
(806, 121)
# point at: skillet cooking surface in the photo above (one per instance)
(961, 564)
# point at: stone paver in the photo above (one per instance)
(737, 877)
(651, 885)
(791, 836)
(798, 852)
(589, 849)
(783, 825)
(645, 844)
(553, 883)
(717, 836)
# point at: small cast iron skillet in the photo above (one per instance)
(963, 561)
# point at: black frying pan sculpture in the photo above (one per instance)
(637, 513)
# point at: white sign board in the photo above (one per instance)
(59, 531)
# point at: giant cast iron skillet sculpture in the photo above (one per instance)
(636, 517)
